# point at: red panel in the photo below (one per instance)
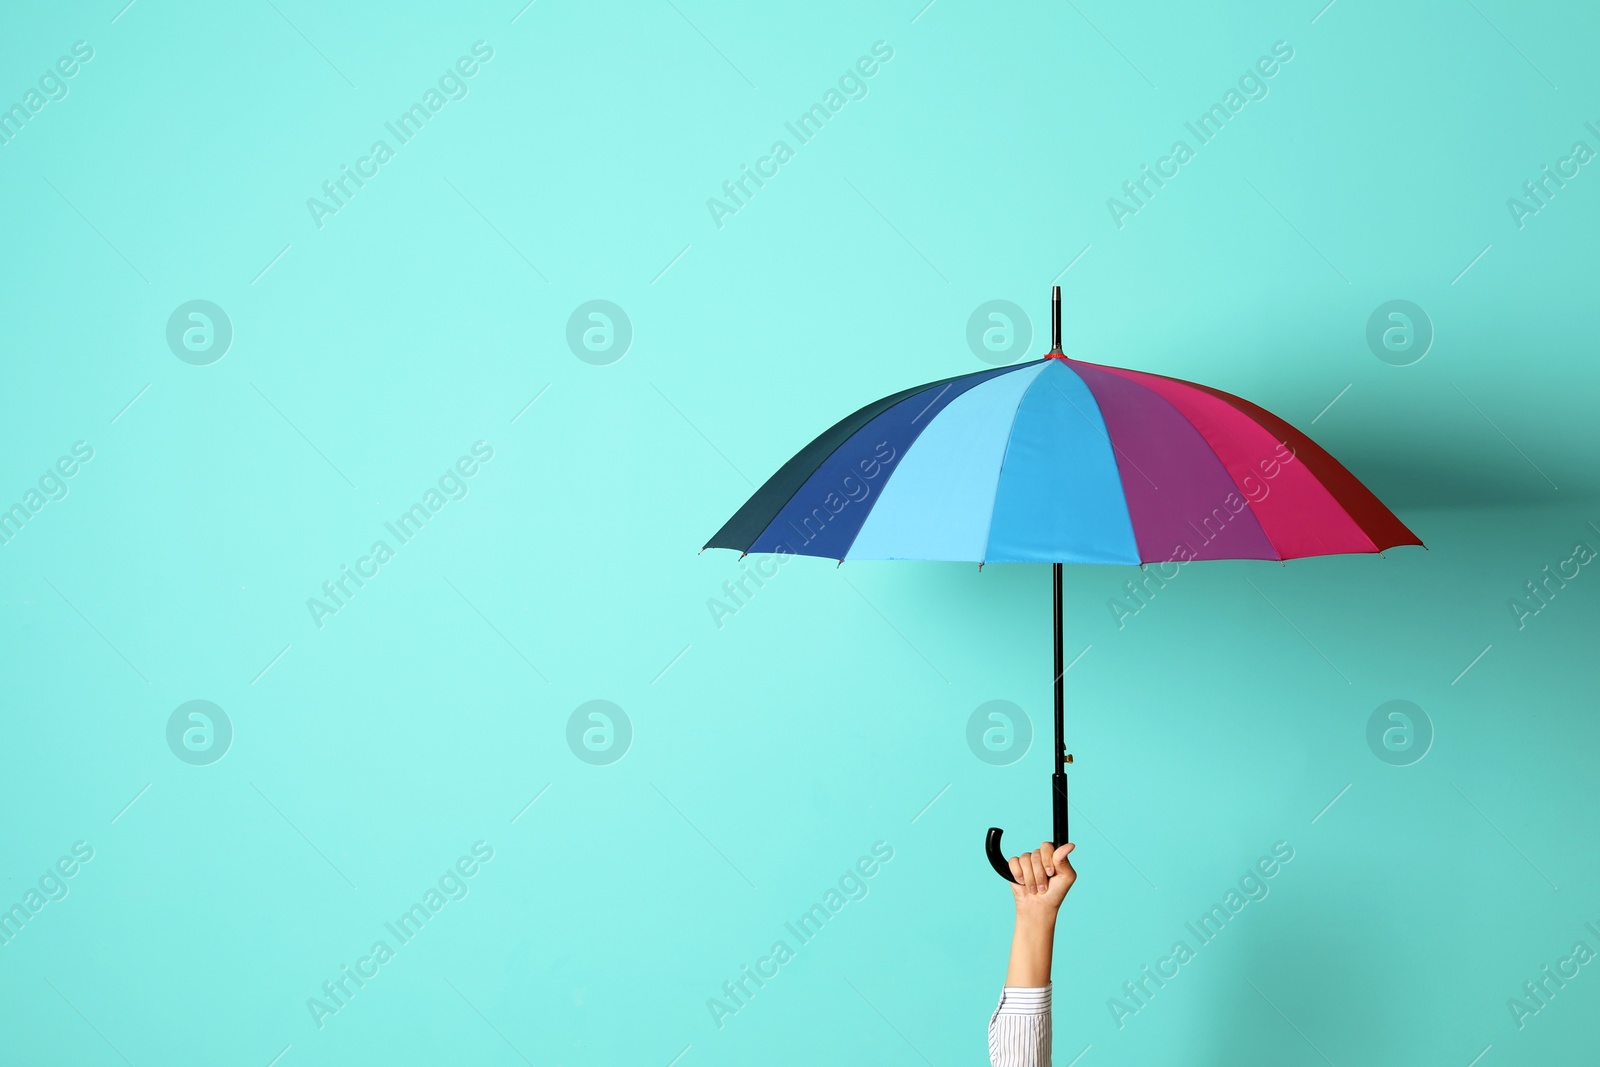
(1377, 522)
(1299, 514)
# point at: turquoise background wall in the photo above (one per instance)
(195, 883)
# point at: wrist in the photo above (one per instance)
(1039, 920)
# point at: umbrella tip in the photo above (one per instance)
(1055, 321)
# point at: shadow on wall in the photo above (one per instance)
(1448, 480)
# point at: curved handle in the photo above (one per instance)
(997, 858)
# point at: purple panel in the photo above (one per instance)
(1180, 497)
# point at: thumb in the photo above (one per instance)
(1061, 854)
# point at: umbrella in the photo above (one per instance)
(1060, 461)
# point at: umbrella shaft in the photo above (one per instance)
(1058, 780)
(1061, 691)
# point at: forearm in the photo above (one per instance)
(1031, 941)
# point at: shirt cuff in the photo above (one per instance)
(1024, 1000)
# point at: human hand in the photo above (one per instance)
(1043, 877)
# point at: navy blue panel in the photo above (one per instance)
(757, 513)
(826, 511)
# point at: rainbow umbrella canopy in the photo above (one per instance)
(1061, 461)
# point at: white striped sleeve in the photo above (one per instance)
(1019, 1029)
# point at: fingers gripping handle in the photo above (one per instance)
(1058, 809)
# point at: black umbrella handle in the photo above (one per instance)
(1058, 808)
(997, 858)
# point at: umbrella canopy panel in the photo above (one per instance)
(1061, 461)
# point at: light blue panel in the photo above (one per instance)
(1060, 492)
(936, 505)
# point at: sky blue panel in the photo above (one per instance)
(936, 505)
(1060, 494)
